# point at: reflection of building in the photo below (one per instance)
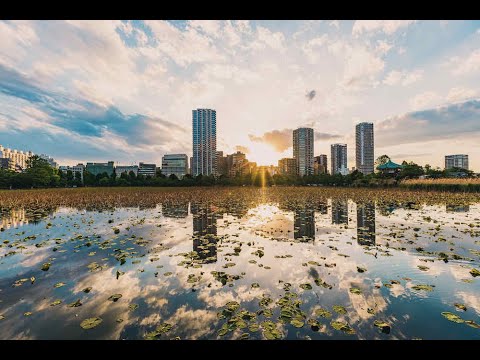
(339, 159)
(304, 224)
(175, 210)
(320, 164)
(176, 164)
(457, 207)
(100, 168)
(287, 166)
(204, 232)
(303, 150)
(204, 142)
(120, 169)
(14, 218)
(364, 148)
(340, 211)
(456, 161)
(147, 169)
(321, 207)
(366, 223)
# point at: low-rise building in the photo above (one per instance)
(51, 161)
(147, 169)
(100, 168)
(320, 164)
(76, 169)
(7, 164)
(176, 164)
(121, 169)
(19, 158)
(456, 161)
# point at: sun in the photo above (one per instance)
(263, 154)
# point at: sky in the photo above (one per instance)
(124, 90)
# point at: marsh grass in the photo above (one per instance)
(445, 184)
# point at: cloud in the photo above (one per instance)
(361, 67)
(467, 64)
(460, 93)
(311, 94)
(403, 77)
(386, 26)
(281, 140)
(444, 122)
(425, 99)
(335, 23)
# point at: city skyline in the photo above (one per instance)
(95, 91)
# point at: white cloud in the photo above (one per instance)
(425, 100)
(460, 93)
(335, 23)
(361, 67)
(383, 47)
(466, 65)
(387, 26)
(403, 77)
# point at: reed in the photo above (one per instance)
(444, 184)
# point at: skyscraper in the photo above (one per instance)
(320, 164)
(204, 124)
(303, 150)
(457, 161)
(339, 159)
(364, 148)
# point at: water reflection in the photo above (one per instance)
(340, 211)
(457, 207)
(244, 270)
(204, 232)
(304, 224)
(366, 223)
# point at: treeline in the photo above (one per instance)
(39, 174)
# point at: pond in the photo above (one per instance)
(285, 263)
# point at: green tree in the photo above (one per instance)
(382, 159)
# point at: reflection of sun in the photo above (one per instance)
(262, 214)
(263, 154)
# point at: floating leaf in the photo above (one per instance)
(28, 313)
(306, 286)
(423, 287)
(87, 289)
(472, 324)
(355, 291)
(452, 317)
(75, 304)
(132, 307)
(58, 285)
(339, 309)
(255, 285)
(423, 268)
(323, 313)
(32, 279)
(475, 272)
(297, 322)
(339, 325)
(115, 297)
(361, 269)
(460, 306)
(383, 326)
(56, 302)
(46, 266)
(90, 323)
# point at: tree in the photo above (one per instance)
(39, 173)
(381, 160)
(410, 170)
(173, 177)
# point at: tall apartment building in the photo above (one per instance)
(339, 159)
(364, 148)
(51, 161)
(366, 223)
(320, 165)
(287, 166)
(204, 131)
(457, 161)
(303, 150)
(176, 164)
(18, 158)
(147, 169)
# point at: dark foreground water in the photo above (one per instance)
(334, 269)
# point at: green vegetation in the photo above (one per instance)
(39, 174)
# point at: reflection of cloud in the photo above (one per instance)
(40, 255)
(471, 301)
(194, 324)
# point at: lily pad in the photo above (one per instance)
(361, 269)
(460, 306)
(423, 287)
(90, 323)
(297, 322)
(472, 324)
(423, 268)
(339, 325)
(323, 313)
(75, 304)
(306, 286)
(58, 285)
(382, 326)
(87, 289)
(339, 309)
(475, 272)
(115, 297)
(132, 307)
(355, 291)
(56, 302)
(452, 317)
(46, 266)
